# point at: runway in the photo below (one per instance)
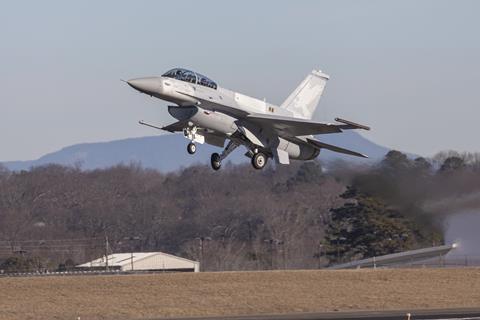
(437, 314)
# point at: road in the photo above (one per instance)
(438, 314)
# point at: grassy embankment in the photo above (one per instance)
(233, 293)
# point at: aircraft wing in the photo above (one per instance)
(321, 145)
(174, 127)
(293, 126)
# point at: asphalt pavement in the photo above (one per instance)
(443, 314)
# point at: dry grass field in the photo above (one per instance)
(169, 295)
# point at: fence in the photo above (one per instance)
(43, 256)
(451, 260)
(47, 257)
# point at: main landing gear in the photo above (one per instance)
(191, 148)
(216, 159)
(259, 159)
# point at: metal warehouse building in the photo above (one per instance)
(399, 259)
(142, 261)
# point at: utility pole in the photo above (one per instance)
(320, 246)
(201, 247)
(106, 252)
(270, 249)
(338, 251)
(131, 260)
(282, 243)
(273, 248)
(131, 239)
(341, 239)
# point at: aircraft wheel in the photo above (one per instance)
(259, 160)
(215, 161)
(191, 148)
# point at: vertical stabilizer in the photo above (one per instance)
(303, 101)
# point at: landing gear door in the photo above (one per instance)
(215, 140)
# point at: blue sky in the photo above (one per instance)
(409, 69)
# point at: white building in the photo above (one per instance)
(142, 261)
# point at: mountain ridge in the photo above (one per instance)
(167, 152)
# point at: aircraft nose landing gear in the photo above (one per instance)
(191, 148)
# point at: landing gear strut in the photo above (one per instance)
(259, 160)
(191, 148)
(216, 159)
(191, 134)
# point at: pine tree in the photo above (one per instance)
(366, 226)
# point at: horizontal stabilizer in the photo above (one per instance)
(321, 145)
(351, 125)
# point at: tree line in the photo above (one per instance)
(297, 216)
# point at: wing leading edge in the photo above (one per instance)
(294, 127)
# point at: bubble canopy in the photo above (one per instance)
(190, 76)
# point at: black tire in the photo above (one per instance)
(191, 148)
(259, 160)
(215, 161)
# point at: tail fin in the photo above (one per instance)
(304, 100)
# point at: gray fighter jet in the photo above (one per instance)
(207, 113)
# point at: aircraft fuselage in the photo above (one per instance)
(221, 111)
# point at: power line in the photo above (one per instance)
(51, 246)
(52, 240)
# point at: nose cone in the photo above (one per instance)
(149, 85)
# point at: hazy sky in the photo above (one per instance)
(409, 69)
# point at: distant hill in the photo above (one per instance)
(168, 152)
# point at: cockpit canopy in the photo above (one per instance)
(190, 76)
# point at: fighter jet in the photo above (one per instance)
(207, 113)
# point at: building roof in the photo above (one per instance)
(398, 258)
(125, 259)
